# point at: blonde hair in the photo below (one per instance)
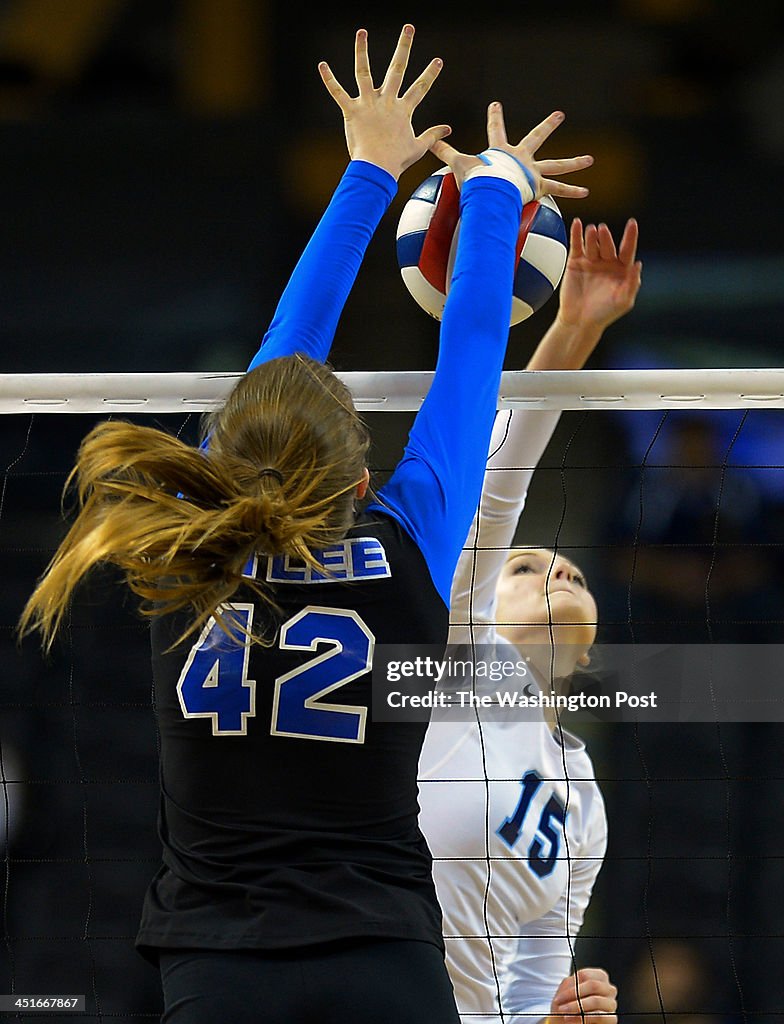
(279, 476)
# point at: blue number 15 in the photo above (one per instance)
(214, 680)
(541, 862)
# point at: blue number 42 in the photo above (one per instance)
(540, 862)
(214, 681)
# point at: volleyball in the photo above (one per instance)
(427, 235)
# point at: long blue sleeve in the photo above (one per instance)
(309, 309)
(435, 489)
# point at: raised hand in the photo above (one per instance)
(600, 284)
(538, 171)
(378, 120)
(588, 997)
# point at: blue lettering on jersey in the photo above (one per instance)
(250, 569)
(541, 859)
(357, 558)
(369, 558)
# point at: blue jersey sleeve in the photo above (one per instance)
(435, 488)
(310, 307)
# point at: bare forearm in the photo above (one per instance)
(565, 346)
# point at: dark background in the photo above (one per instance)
(161, 166)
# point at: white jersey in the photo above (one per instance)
(511, 812)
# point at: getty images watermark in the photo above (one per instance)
(623, 682)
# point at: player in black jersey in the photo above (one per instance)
(296, 884)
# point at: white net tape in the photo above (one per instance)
(403, 390)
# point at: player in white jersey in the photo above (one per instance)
(511, 810)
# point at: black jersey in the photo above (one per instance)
(289, 818)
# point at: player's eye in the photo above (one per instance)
(522, 567)
(580, 580)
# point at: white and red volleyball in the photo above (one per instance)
(427, 235)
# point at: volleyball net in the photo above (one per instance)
(667, 487)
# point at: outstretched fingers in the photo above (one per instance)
(334, 88)
(429, 139)
(606, 244)
(417, 91)
(364, 78)
(444, 152)
(567, 166)
(592, 243)
(552, 187)
(496, 128)
(627, 250)
(534, 139)
(397, 66)
(576, 249)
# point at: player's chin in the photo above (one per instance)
(569, 623)
(568, 612)
(566, 598)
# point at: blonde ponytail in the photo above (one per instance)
(285, 455)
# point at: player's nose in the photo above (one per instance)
(563, 572)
